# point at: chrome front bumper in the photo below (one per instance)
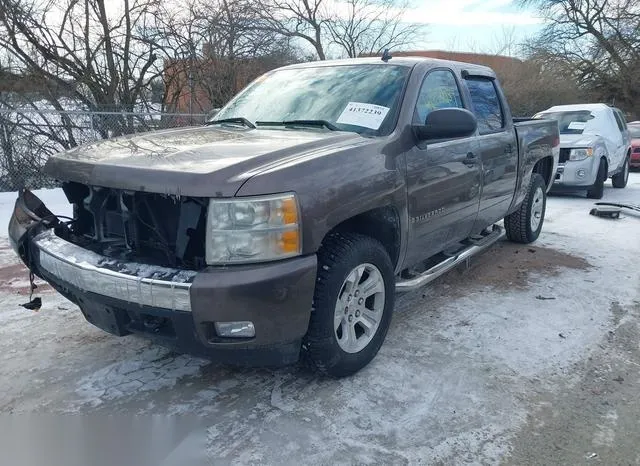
(132, 282)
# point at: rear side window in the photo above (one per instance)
(622, 117)
(486, 105)
(620, 121)
(439, 90)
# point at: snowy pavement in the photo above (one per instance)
(480, 367)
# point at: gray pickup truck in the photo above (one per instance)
(284, 227)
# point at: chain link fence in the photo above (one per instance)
(28, 137)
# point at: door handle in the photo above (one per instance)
(508, 149)
(471, 159)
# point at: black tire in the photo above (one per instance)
(518, 225)
(597, 190)
(338, 256)
(619, 180)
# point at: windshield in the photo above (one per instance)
(634, 132)
(360, 98)
(570, 122)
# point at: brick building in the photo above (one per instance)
(497, 62)
(201, 84)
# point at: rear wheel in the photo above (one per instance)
(352, 304)
(619, 180)
(524, 225)
(597, 190)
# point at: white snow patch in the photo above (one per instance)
(54, 199)
(152, 370)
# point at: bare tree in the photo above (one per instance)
(531, 85)
(103, 61)
(299, 19)
(26, 141)
(70, 56)
(351, 27)
(505, 42)
(237, 45)
(600, 40)
(530, 81)
(365, 27)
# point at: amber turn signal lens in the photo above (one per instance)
(289, 211)
(290, 242)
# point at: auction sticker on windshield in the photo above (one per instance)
(577, 125)
(362, 114)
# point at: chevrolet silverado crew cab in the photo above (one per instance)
(595, 144)
(284, 227)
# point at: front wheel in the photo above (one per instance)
(597, 190)
(619, 180)
(352, 304)
(524, 225)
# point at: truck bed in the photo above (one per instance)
(533, 137)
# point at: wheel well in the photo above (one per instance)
(545, 167)
(382, 224)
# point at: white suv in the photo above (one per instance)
(594, 145)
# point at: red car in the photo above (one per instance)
(634, 132)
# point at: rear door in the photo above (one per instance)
(613, 137)
(497, 148)
(624, 133)
(443, 176)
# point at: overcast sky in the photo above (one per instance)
(461, 25)
(473, 25)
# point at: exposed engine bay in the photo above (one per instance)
(151, 228)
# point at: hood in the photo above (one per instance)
(635, 143)
(196, 161)
(578, 140)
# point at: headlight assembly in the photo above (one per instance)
(580, 154)
(256, 229)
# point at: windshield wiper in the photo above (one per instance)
(239, 120)
(316, 123)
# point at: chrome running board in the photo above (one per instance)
(476, 246)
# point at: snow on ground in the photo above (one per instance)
(454, 383)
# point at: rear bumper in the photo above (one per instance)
(179, 308)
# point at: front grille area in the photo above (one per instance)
(150, 228)
(564, 155)
(636, 150)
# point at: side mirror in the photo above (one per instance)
(447, 123)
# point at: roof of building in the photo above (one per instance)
(408, 61)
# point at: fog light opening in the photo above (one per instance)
(581, 173)
(240, 329)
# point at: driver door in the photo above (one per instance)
(443, 176)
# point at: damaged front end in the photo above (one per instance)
(114, 248)
(30, 216)
(134, 262)
(150, 228)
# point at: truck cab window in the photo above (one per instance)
(486, 105)
(439, 90)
